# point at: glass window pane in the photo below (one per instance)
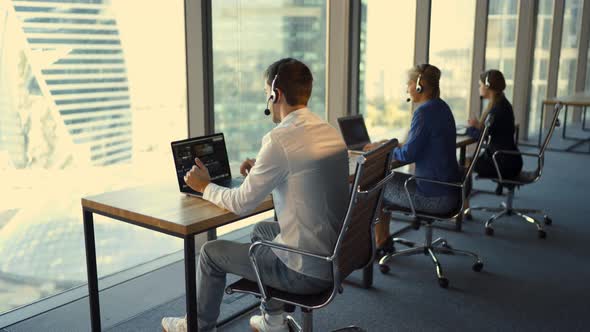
(451, 46)
(249, 35)
(88, 104)
(385, 59)
(540, 64)
(568, 59)
(501, 39)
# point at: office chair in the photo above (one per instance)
(524, 178)
(354, 249)
(440, 245)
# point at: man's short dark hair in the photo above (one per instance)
(294, 80)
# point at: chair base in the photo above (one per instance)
(430, 248)
(506, 209)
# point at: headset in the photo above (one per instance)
(273, 94)
(419, 87)
(487, 80)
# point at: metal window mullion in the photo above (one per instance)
(553, 70)
(580, 84)
(479, 54)
(199, 79)
(523, 67)
(354, 55)
(338, 68)
(422, 32)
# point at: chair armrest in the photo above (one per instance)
(415, 178)
(513, 153)
(283, 247)
(377, 186)
(278, 246)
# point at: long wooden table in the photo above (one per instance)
(162, 208)
(580, 99)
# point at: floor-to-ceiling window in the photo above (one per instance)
(570, 39)
(544, 22)
(386, 55)
(88, 104)
(248, 36)
(451, 46)
(501, 39)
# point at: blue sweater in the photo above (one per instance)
(431, 145)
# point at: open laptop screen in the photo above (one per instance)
(354, 131)
(210, 150)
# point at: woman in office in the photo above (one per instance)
(491, 87)
(431, 146)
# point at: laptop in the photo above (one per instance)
(212, 152)
(354, 132)
(461, 130)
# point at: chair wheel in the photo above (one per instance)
(477, 267)
(542, 234)
(443, 282)
(548, 221)
(489, 231)
(384, 269)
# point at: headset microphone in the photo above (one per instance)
(267, 110)
(408, 100)
(273, 94)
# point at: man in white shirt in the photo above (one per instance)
(303, 162)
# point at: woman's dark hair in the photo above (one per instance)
(294, 80)
(494, 78)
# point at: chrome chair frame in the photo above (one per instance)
(439, 245)
(357, 196)
(506, 208)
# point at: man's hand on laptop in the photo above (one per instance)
(247, 166)
(198, 177)
(373, 146)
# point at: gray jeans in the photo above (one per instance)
(395, 197)
(220, 257)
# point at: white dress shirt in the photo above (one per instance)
(303, 162)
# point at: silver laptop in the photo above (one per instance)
(354, 132)
(212, 152)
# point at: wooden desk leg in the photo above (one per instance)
(368, 276)
(462, 156)
(462, 162)
(564, 123)
(92, 271)
(190, 280)
(541, 125)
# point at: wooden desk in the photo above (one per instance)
(162, 209)
(580, 99)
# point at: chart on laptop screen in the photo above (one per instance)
(211, 151)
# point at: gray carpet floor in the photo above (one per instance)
(527, 284)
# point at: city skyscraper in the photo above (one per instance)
(75, 64)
